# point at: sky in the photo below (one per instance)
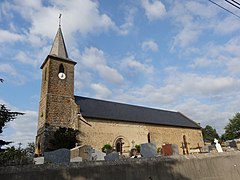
(173, 55)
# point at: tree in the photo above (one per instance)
(30, 149)
(17, 156)
(209, 134)
(64, 138)
(6, 116)
(232, 130)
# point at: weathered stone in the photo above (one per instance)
(148, 150)
(76, 159)
(175, 149)
(58, 156)
(113, 156)
(38, 160)
(98, 155)
(84, 151)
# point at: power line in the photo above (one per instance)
(233, 4)
(224, 8)
(236, 2)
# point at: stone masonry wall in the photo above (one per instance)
(107, 132)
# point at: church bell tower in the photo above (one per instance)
(57, 93)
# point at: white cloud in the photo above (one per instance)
(8, 69)
(205, 114)
(223, 56)
(94, 59)
(101, 91)
(227, 25)
(130, 63)
(129, 21)
(202, 62)
(154, 9)
(149, 45)
(9, 37)
(12, 74)
(195, 84)
(81, 15)
(186, 37)
(194, 19)
(25, 58)
(22, 129)
(201, 10)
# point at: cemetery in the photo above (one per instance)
(85, 153)
(225, 165)
(84, 162)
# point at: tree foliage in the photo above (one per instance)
(64, 138)
(232, 130)
(209, 133)
(6, 116)
(107, 148)
(17, 156)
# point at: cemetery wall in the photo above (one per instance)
(219, 166)
(107, 132)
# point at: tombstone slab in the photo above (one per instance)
(84, 151)
(98, 155)
(175, 150)
(148, 150)
(76, 159)
(57, 156)
(113, 156)
(39, 160)
(218, 146)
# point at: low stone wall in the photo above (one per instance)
(219, 166)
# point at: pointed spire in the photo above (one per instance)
(58, 46)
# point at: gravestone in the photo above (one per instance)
(205, 149)
(84, 151)
(57, 156)
(218, 146)
(98, 155)
(233, 144)
(76, 159)
(39, 160)
(175, 149)
(113, 156)
(148, 150)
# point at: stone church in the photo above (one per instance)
(103, 122)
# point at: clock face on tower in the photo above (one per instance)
(61, 75)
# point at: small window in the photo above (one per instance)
(45, 74)
(148, 137)
(61, 68)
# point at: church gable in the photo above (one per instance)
(99, 109)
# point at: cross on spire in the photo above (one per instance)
(60, 18)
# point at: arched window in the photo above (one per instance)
(119, 145)
(61, 68)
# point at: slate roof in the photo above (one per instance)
(58, 47)
(100, 109)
